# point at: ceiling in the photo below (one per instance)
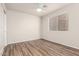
(31, 7)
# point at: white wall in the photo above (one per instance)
(22, 26)
(2, 29)
(69, 38)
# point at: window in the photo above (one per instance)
(59, 23)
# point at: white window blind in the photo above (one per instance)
(59, 23)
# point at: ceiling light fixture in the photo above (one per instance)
(41, 7)
(39, 10)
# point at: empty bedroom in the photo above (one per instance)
(39, 29)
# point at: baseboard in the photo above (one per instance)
(71, 48)
(20, 42)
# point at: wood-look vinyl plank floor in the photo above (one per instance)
(38, 48)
